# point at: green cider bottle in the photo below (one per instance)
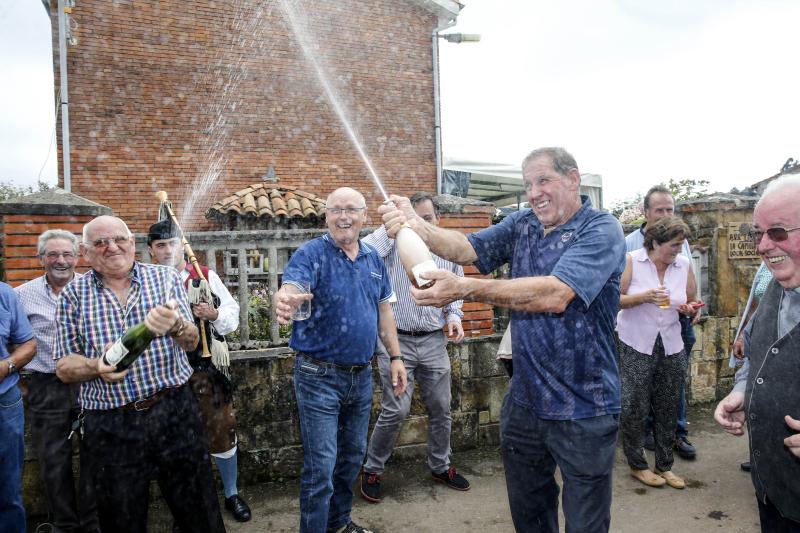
(127, 348)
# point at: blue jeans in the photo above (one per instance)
(583, 450)
(334, 407)
(12, 454)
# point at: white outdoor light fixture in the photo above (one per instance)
(461, 37)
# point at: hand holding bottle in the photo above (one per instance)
(163, 318)
(447, 288)
(397, 212)
(109, 372)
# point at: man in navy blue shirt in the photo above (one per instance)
(563, 407)
(17, 347)
(350, 292)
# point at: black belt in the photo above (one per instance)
(417, 333)
(350, 368)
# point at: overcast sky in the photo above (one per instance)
(639, 91)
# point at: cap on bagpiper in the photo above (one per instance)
(165, 229)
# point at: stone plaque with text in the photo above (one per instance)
(740, 245)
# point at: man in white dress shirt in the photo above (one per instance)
(424, 348)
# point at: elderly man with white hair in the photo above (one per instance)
(52, 404)
(141, 422)
(765, 393)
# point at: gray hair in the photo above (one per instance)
(88, 224)
(562, 160)
(656, 189)
(51, 234)
(786, 181)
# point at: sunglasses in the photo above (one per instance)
(774, 234)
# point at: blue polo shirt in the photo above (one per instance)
(14, 329)
(564, 364)
(343, 326)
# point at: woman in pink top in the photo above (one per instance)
(656, 285)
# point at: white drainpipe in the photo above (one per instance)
(62, 62)
(437, 118)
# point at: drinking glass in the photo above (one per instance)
(304, 310)
(665, 304)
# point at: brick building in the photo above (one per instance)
(206, 96)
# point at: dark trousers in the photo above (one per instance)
(165, 443)
(583, 450)
(689, 338)
(649, 381)
(773, 522)
(52, 406)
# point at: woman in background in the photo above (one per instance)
(656, 285)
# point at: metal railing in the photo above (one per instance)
(264, 255)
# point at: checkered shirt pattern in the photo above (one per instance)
(90, 316)
(40, 303)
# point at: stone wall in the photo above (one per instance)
(269, 434)
(719, 223)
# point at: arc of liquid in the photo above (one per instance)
(291, 18)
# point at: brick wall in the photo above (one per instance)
(468, 217)
(159, 91)
(23, 219)
(20, 239)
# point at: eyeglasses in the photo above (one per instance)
(352, 211)
(53, 256)
(774, 234)
(103, 243)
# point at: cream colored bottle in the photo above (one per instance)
(415, 256)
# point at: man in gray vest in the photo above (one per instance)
(765, 393)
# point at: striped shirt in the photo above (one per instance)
(90, 316)
(408, 315)
(40, 304)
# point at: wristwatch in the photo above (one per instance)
(395, 358)
(12, 368)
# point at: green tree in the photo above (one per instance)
(628, 210)
(9, 190)
(687, 189)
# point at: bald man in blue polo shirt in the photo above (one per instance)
(564, 402)
(350, 292)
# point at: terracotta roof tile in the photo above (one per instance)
(264, 202)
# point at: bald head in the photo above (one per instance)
(103, 220)
(345, 215)
(108, 246)
(346, 193)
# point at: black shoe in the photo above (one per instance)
(649, 442)
(685, 448)
(745, 466)
(352, 527)
(238, 508)
(452, 479)
(371, 487)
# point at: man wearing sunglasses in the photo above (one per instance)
(53, 404)
(765, 392)
(141, 423)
